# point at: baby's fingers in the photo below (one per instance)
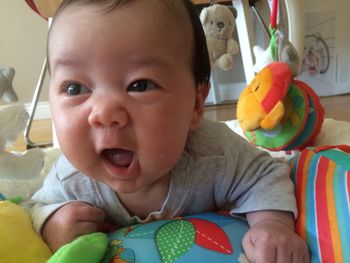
(266, 253)
(85, 227)
(90, 219)
(284, 255)
(249, 248)
(86, 212)
(261, 252)
(106, 227)
(302, 258)
(70, 221)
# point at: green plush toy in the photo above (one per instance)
(85, 249)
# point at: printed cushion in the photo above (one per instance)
(208, 237)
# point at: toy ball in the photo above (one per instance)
(277, 112)
(300, 124)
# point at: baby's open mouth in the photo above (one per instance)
(119, 157)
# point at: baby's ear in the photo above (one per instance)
(198, 111)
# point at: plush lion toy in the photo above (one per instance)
(260, 105)
(219, 22)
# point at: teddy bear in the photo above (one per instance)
(18, 171)
(219, 22)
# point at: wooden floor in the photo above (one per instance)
(41, 132)
(336, 107)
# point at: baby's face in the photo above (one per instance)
(122, 91)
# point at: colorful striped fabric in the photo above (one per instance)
(322, 188)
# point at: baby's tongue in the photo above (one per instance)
(119, 157)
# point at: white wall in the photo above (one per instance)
(331, 19)
(23, 40)
(22, 46)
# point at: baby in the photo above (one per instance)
(129, 79)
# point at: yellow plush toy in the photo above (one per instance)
(19, 241)
(260, 105)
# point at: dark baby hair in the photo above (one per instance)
(201, 64)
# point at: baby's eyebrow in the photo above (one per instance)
(66, 62)
(152, 63)
(156, 60)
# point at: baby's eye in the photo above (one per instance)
(74, 89)
(141, 85)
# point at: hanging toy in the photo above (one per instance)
(219, 22)
(280, 48)
(275, 111)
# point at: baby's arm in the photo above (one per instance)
(271, 238)
(70, 221)
(61, 211)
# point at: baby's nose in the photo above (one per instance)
(220, 24)
(107, 113)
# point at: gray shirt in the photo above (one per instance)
(218, 170)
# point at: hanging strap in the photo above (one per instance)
(273, 29)
(342, 147)
(274, 12)
(273, 43)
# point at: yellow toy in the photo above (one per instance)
(275, 111)
(260, 105)
(19, 241)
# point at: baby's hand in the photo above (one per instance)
(69, 222)
(271, 241)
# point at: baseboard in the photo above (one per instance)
(42, 110)
(228, 92)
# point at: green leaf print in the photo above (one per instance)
(175, 239)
